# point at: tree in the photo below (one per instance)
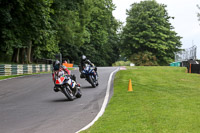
(26, 30)
(67, 20)
(32, 30)
(102, 28)
(198, 14)
(148, 29)
(111, 48)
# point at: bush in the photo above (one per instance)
(144, 59)
(121, 63)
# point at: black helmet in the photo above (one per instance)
(57, 65)
(83, 57)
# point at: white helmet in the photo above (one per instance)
(83, 57)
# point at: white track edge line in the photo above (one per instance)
(103, 105)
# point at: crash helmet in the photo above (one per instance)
(57, 65)
(83, 58)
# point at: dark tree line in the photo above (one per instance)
(32, 30)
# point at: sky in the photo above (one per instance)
(185, 20)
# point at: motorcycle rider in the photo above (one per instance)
(62, 70)
(58, 66)
(85, 61)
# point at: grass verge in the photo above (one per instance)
(12, 76)
(163, 100)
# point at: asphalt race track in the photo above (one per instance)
(29, 105)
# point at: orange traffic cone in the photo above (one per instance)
(130, 86)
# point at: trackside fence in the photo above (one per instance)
(11, 69)
(193, 66)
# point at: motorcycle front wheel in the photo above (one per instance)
(68, 93)
(78, 94)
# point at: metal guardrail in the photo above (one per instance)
(186, 54)
(11, 69)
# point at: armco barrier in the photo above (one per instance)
(13, 69)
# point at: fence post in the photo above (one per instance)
(8, 69)
(20, 70)
(190, 68)
(2, 69)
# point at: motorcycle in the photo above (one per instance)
(90, 75)
(66, 85)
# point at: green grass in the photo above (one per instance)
(163, 100)
(12, 76)
(71, 68)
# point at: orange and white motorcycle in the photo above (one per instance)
(68, 86)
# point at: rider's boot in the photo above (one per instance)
(82, 76)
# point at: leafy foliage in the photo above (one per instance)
(102, 48)
(32, 30)
(25, 23)
(121, 63)
(144, 59)
(148, 29)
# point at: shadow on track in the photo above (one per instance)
(60, 100)
(87, 87)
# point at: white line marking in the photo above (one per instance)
(103, 105)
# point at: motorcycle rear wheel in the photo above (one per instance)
(92, 82)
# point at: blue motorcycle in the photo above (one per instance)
(90, 75)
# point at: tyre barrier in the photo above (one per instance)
(13, 69)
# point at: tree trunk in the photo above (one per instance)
(14, 55)
(29, 52)
(17, 55)
(22, 54)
